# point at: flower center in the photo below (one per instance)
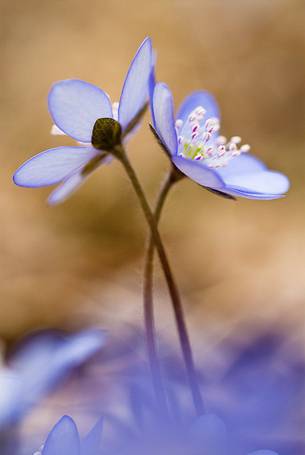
(197, 139)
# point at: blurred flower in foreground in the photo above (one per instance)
(193, 144)
(75, 107)
(255, 400)
(207, 435)
(40, 363)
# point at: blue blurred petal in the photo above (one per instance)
(78, 348)
(75, 105)
(52, 166)
(210, 434)
(200, 98)
(39, 365)
(63, 439)
(199, 172)
(263, 452)
(135, 89)
(163, 111)
(92, 442)
(10, 396)
(261, 182)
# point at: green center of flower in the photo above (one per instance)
(106, 134)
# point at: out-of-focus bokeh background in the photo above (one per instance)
(236, 262)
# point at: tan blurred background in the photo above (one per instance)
(235, 261)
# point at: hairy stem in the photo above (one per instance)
(172, 287)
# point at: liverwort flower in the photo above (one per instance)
(77, 109)
(193, 143)
(207, 434)
(39, 365)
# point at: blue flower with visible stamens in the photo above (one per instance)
(194, 145)
(75, 106)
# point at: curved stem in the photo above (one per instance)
(149, 319)
(119, 152)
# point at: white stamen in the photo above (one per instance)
(221, 150)
(206, 137)
(191, 117)
(221, 140)
(209, 151)
(200, 111)
(245, 148)
(178, 123)
(235, 139)
(232, 147)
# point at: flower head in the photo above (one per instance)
(192, 140)
(77, 109)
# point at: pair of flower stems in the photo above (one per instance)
(155, 242)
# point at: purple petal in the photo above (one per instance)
(198, 172)
(163, 112)
(11, 396)
(135, 89)
(152, 84)
(263, 452)
(92, 442)
(209, 433)
(78, 349)
(69, 185)
(242, 164)
(63, 439)
(52, 166)
(75, 105)
(200, 98)
(255, 196)
(258, 183)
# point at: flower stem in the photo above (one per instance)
(149, 319)
(119, 152)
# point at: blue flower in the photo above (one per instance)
(64, 439)
(75, 106)
(41, 363)
(194, 145)
(207, 434)
(253, 401)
